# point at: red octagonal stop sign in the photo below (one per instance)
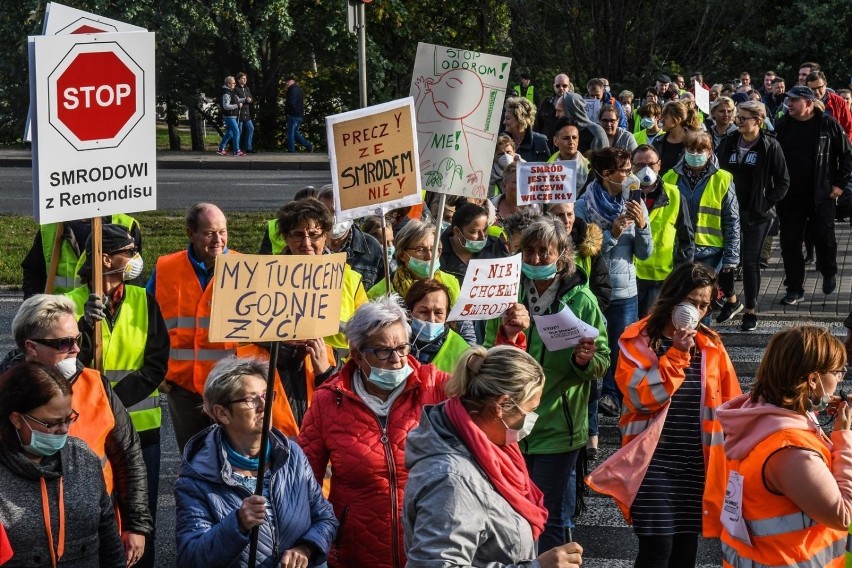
(97, 96)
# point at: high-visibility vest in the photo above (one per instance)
(96, 421)
(277, 240)
(529, 94)
(663, 221)
(780, 533)
(641, 137)
(124, 349)
(282, 414)
(186, 310)
(69, 263)
(708, 223)
(380, 288)
(353, 296)
(448, 355)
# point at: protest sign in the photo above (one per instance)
(459, 98)
(593, 109)
(563, 330)
(702, 98)
(490, 287)
(374, 162)
(276, 298)
(547, 182)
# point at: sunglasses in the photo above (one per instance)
(61, 344)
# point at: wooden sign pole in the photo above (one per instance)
(96, 285)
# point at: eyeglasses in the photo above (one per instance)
(816, 87)
(254, 401)
(53, 427)
(625, 171)
(639, 166)
(741, 118)
(609, 120)
(125, 252)
(421, 251)
(840, 373)
(384, 353)
(300, 237)
(61, 344)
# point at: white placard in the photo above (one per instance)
(593, 109)
(702, 98)
(563, 330)
(458, 100)
(95, 126)
(490, 288)
(547, 182)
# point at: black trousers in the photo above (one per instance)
(798, 215)
(667, 551)
(753, 234)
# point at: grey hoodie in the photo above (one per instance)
(453, 515)
(575, 108)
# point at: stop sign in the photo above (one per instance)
(96, 95)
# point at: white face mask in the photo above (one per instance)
(824, 400)
(504, 160)
(133, 268)
(685, 316)
(68, 367)
(339, 229)
(631, 182)
(514, 436)
(647, 176)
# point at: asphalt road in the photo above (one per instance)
(178, 189)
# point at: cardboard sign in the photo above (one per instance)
(490, 287)
(374, 162)
(547, 182)
(563, 330)
(94, 152)
(276, 298)
(458, 98)
(702, 98)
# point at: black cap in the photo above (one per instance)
(800, 92)
(663, 79)
(113, 238)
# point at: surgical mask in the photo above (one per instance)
(68, 367)
(445, 225)
(696, 160)
(504, 160)
(389, 379)
(420, 268)
(647, 176)
(647, 123)
(44, 444)
(426, 330)
(628, 109)
(685, 316)
(133, 268)
(514, 436)
(471, 245)
(391, 251)
(541, 272)
(822, 403)
(339, 229)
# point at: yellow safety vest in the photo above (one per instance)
(708, 223)
(663, 221)
(448, 355)
(529, 95)
(278, 242)
(124, 349)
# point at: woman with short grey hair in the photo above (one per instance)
(220, 467)
(358, 423)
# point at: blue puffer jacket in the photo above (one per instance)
(207, 498)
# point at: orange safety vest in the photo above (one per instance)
(780, 533)
(96, 420)
(282, 415)
(186, 310)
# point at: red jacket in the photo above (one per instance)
(839, 111)
(367, 465)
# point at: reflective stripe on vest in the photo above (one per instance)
(450, 352)
(96, 421)
(828, 556)
(200, 354)
(655, 385)
(172, 323)
(124, 349)
(708, 221)
(277, 241)
(663, 221)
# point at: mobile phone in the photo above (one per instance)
(635, 195)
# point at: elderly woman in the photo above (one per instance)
(723, 112)
(518, 123)
(46, 331)
(432, 340)
(674, 373)
(469, 500)
(216, 508)
(358, 424)
(797, 480)
(52, 489)
(305, 225)
(551, 283)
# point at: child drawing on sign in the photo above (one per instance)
(442, 105)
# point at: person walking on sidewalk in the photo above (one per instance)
(230, 114)
(246, 100)
(819, 160)
(294, 108)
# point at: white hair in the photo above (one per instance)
(373, 316)
(37, 315)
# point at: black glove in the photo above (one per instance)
(94, 309)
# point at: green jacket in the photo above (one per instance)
(563, 422)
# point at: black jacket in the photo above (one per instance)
(771, 182)
(452, 264)
(833, 159)
(534, 147)
(242, 94)
(545, 118)
(294, 105)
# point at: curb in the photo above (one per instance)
(204, 161)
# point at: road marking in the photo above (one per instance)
(261, 184)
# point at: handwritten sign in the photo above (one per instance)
(548, 182)
(490, 287)
(563, 330)
(276, 298)
(593, 109)
(702, 98)
(458, 99)
(374, 161)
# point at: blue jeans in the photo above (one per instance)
(248, 126)
(151, 457)
(619, 314)
(232, 134)
(550, 473)
(648, 292)
(293, 134)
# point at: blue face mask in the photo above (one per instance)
(43, 444)
(420, 268)
(426, 330)
(695, 160)
(472, 246)
(389, 379)
(391, 251)
(647, 123)
(445, 225)
(543, 272)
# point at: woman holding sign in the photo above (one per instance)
(674, 373)
(798, 500)
(551, 284)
